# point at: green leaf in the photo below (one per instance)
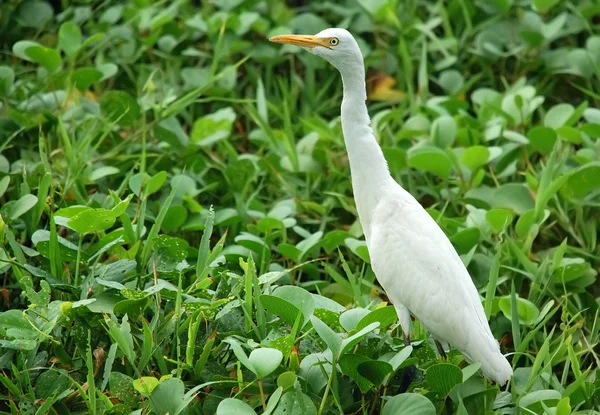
(542, 139)
(167, 396)
(92, 220)
(47, 57)
(230, 406)
(145, 385)
(499, 219)
(376, 371)
(358, 248)
(351, 341)
(583, 182)
(295, 403)
(83, 78)
(409, 403)
(22, 206)
(331, 339)
(514, 196)
(69, 38)
(120, 107)
(265, 360)
(558, 115)
(213, 127)
(34, 14)
(528, 312)
(385, 316)
(430, 159)
(442, 377)
(475, 157)
(443, 131)
(7, 79)
(544, 5)
(349, 364)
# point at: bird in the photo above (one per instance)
(411, 256)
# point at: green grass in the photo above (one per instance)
(177, 228)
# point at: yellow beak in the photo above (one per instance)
(301, 40)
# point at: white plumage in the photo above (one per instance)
(413, 260)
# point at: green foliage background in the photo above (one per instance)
(123, 122)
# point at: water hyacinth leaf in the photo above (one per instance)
(409, 403)
(286, 380)
(265, 360)
(442, 377)
(528, 312)
(348, 343)
(34, 14)
(430, 159)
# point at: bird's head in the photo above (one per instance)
(337, 46)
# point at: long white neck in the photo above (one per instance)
(368, 166)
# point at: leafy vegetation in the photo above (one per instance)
(178, 233)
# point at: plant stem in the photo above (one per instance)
(262, 395)
(78, 260)
(322, 406)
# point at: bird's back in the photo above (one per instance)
(419, 268)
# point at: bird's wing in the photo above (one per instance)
(417, 266)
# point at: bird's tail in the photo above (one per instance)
(495, 366)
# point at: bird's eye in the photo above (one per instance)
(334, 41)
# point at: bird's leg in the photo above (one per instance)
(441, 350)
(407, 340)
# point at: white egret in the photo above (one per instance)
(413, 259)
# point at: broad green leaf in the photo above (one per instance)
(69, 38)
(265, 360)
(409, 403)
(331, 338)
(214, 127)
(92, 220)
(231, 406)
(83, 78)
(22, 206)
(349, 364)
(120, 107)
(583, 182)
(514, 196)
(475, 157)
(7, 79)
(442, 377)
(430, 159)
(376, 371)
(528, 312)
(47, 57)
(385, 316)
(167, 396)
